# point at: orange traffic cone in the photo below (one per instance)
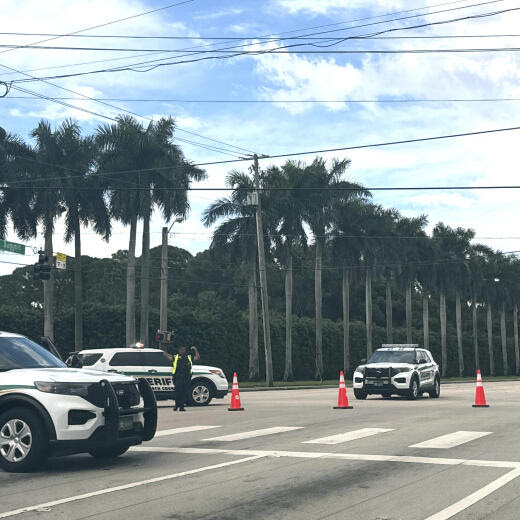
(342, 396)
(480, 398)
(235, 396)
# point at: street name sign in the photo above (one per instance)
(11, 247)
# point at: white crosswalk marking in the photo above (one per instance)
(186, 429)
(254, 433)
(349, 436)
(451, 440)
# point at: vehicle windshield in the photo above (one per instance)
(24, 353)
(393, 356)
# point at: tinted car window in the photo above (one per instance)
(157, 359)
(24, 353)
(123, 359)
(89, 359)
(393, 356)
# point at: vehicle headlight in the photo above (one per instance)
(79, 389)
(219, 373)
(396, 371)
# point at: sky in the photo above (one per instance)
(276, 126)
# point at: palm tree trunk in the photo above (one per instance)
(345, 286)
(318, 310)
(409, 312)
(368, 311)
(389, 320)
(490, 340)
(444, 354)
(515, 330)
(475, 331)
(288, 373)
(254, 368)
(130, 285)
(503, 337)
(458, 318)
(145, 281)
(78, 289)
(48, 286)
(426, 320)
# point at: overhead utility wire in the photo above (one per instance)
(132, 67)
(266, 36)
(57, 36)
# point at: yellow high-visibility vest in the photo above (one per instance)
(176, 359)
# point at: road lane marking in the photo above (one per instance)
(124, 487)
(472, 499)
(450, 440)
(332, 455)
(186, 429)
(349, 436)
(254, 433)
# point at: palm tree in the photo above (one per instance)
(504, 280)
(489, 293)
(16, 165)
(160, 178)
(324, 189)
(347, 244)
(236, 236)
(84, 203)
(288, 213)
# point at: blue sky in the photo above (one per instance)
(275, 128)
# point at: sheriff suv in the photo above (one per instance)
(155, 366)
(398, 369)
(48, 409)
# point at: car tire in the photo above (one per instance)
(25, 428)
(201, 393)
(111, 451)
(436, 392)
(414, 391)
(360, 394)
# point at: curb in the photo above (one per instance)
(349, 385)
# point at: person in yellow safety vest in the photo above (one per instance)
(181, 373)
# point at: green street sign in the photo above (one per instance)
(11, 247)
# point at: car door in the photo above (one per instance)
(129, 363)
(426, 368)
(158, 365)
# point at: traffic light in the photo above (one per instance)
(163, 336)
(42, 270)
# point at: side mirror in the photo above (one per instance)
(74, 361)
(363, 361)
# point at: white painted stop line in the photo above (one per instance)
(349, 436)
(451, 440)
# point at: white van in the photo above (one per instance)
(155, 366)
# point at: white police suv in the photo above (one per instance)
(398, 369)
(155, 366)
(48, 409)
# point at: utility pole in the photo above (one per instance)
(163, 317)
(263, 278)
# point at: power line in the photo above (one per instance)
(273, 101)
(55, 37)
(267, 51)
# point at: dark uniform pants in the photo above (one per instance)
(182, 387)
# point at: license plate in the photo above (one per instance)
(380, 383)
(126, 423)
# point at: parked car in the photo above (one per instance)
(155, 366)
(49, 409)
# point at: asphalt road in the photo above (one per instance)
(289, 455)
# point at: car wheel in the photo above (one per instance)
(201, 394)
(436, 392)
(108, 452)
(413, 392)
(360, 394)
(23, 440)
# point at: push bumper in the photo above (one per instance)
(112, 433)
(398, 384)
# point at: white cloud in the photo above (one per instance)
(326, 6)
